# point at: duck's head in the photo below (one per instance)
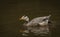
(25, 18)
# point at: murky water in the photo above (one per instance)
(13, 9)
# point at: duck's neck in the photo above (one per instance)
(27, 20)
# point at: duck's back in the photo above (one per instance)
(35, 21)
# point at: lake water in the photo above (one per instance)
(11, 10)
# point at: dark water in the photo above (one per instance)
(11, 10)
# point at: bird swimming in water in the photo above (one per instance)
(38, 25)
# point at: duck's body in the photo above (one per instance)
(38, 20)
(38, 25)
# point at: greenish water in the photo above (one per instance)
(11, 10)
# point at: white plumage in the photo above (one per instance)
(37, 25)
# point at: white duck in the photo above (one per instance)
(40, 21)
